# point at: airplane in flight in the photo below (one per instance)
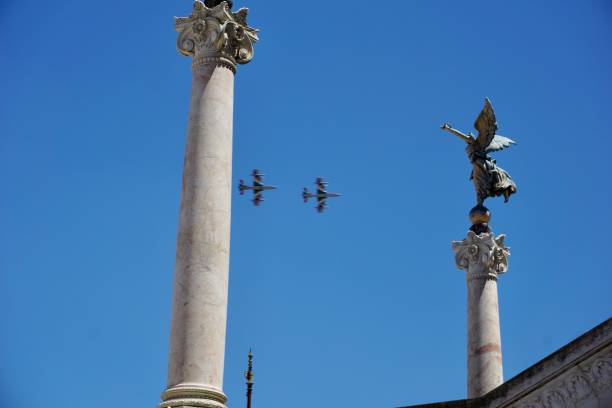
(258, 187)
(321, 195)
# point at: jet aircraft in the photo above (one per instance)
(258, 187)
(321, 195)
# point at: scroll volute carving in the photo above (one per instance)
(485, 253)
(216, 32)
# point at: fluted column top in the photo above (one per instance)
(216, 35)
(482, 256)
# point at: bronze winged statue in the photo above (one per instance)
(489, 179)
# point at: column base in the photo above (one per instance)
(192, 396)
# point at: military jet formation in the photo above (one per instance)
(258, 187)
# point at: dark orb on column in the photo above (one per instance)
(480, 217)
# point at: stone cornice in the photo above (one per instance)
(483, 256)
(577, 375)
(216, 36)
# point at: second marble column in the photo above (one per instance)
(484, 257)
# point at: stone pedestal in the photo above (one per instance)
(217, 39)
(484, 257)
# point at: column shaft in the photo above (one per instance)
(484, 355)
(197, 339)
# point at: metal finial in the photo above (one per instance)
(249, 377)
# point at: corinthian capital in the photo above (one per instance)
(482, 256)
(216, 35)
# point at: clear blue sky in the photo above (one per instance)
(361, 306)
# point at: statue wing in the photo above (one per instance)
(499, 143)
(486, 124)
(241, 16)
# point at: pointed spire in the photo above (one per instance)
(249, 377)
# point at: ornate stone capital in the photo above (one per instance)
(216, 36)
(483, 256)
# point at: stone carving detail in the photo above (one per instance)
(216, 36)
(585, 383)
(602, 371)
(554, 399)
(578, 387)
(484, 254)
(534, 404)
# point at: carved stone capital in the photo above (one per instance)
(483, 256)
(215, 36)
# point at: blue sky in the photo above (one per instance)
(361, 306)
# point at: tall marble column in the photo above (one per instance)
(483, 257)
(217, 39)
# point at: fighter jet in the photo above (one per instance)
(258, 187)
(321, 195)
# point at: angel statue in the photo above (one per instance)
(489, 179)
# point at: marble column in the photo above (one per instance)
(483, 257)
(217, 39)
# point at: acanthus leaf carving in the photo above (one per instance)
(216, 35)
(483, 254)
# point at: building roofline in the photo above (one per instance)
(545, 370)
